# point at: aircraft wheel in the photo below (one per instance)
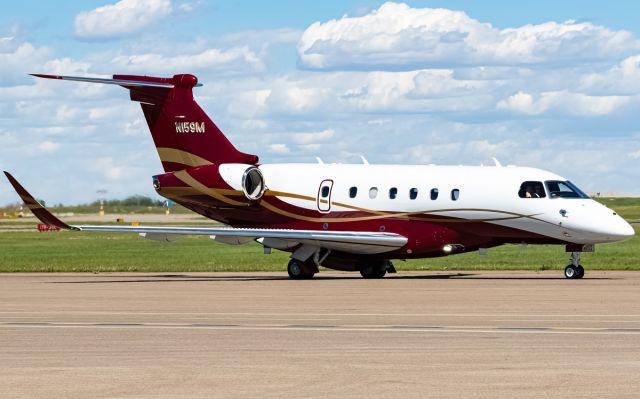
(296, 270)
(580, 271)
(374, 271)
(570, 271)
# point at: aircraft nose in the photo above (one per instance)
(621, 230)
(626, 231)
(611, 227)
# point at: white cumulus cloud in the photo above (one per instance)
(235, 59)
(313, 137)
(623, 78)
(578, 104)
(279, 148)
(48, 146)
(120, 19)
(397, 36)
(16, 63)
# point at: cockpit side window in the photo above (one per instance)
(564, 189)
(532, 189)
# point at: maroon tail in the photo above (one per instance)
(183, 133)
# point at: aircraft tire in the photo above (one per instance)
(373, 271)
(571, 271)
(580, 271)
(296, 271)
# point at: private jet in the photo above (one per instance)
(350, 217)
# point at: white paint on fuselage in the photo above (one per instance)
(485, 193)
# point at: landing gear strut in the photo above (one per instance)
(575, 269)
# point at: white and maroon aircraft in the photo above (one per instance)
(346, 217)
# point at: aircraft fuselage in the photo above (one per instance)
(440, 209)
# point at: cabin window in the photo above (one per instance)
(532, 189)
(353, 191)
(434, 194)
(455, 194)
(373, 192)
(564, 189)
(393, 192)
(325, 191)
(413, 193)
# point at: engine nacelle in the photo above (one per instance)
(247, 178)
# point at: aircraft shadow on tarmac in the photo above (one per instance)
(172, 278)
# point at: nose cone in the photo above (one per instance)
(594, 223)
(626, 231)
(617, 230)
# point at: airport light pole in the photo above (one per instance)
(101, 193)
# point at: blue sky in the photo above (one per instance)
(548, 84)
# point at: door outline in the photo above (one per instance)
(324, 203)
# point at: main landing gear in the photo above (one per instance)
(299, 270)
(373, 269)
(575, 269)
(378, 269)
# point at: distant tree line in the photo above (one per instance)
(134, 200)
(131, 201)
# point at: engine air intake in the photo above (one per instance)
(253, 183)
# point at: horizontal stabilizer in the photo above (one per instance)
(122, 80)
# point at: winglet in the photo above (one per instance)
(41, 212)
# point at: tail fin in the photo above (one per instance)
(183, 133)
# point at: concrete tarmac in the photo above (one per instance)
(429, 334)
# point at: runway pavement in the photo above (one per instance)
(444, 335)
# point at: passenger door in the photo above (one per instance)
(324, 196)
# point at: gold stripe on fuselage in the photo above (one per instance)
(408, 215)
(181, 157)
(189, 180)
(385, 214)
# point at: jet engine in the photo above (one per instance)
(247, 178)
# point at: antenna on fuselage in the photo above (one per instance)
(364, 160)
(495, 161)
(319, 161)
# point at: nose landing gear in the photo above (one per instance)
(575, 269)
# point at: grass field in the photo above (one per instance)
(628, 208)
(109, 252)
(31, 251)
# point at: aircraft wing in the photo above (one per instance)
(349, 241)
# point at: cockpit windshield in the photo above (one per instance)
(563, 189)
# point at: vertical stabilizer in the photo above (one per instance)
(183, 133)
